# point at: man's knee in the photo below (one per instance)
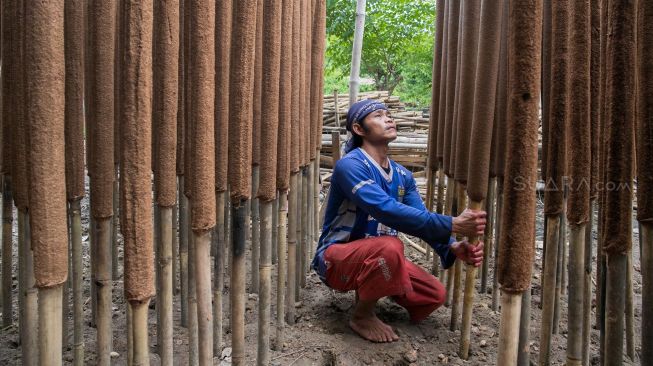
(392, 250)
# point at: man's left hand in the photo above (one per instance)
(468, 253)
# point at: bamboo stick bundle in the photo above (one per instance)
(432, 160)
(240, 161)
(644, 169)
(620, 114)
(594, 171)
(267, 189)
(165, 76)
(518, 229)
(135, 186)
(20, 170)
(203, 173)
(481, 126)
(74, 159)
(283, 165)
(254, 234)
(555, 169)
(181, 139)
(357, 47)
(45, 73)
(115, 219)
(8, 61)
(294, 196)
(222, 55)
(101, 115)
(578, 203)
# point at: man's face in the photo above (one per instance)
(380, 127)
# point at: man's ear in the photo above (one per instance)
(358, 129)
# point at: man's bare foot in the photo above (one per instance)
(372, 328)
(364, 322)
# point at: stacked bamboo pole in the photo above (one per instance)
(555, 168)
(240, 137)
(74, 156)
(135, 186)
(45, 70)
(481, 139)
(164, 104)
(222, 56)
(517, 226)
(644, 169)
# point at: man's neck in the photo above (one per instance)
(377, 152)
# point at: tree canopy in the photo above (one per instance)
(397, 46)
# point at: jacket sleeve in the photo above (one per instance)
(355, 181)
(413, 199)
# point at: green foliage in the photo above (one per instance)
(397, 46)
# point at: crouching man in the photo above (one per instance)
(372, 198)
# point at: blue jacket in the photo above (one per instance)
(365, 201)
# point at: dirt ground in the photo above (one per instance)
(321, 335)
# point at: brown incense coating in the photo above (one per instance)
(317, 74)
(188, 101)
(442, 93)
(645, 114)
(74, 109)
(558, 109)
(495, 127)
(258, 86)
(222, 52)
(308, 125)
(620, 119)
(455, 122)
(546, 84)
(484, 100)
(164, 103)
(301, 68)
(181, 96)
(241, 82)
(295, 134)
(518, 223)
(117, 59)
(135, 158)
(102, 26)
(435, 86)
(469, 52)
(267, 188)
(595, 77)
(203, 91)
(452, 66)
(8, 60)
(579, 131)
(19, 135)
(501, 108)
(45, 85)
(285, 98)
(320, 37)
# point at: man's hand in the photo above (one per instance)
(468, 253)
(470, 223)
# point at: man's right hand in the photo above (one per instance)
(470, 223)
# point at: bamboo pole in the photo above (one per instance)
(489, 231)
(115, 272)
(7, 256)
(461, 201)
(646, 240)
(275, 231)
(218, 279)
(78, 305)
(559, 271)
(265, 273)
(629, 312)
(546, 328)
(183, 251)
(255, 233)
(165, 297)
(359, 30)
(449, 211)
(281, 270)
(292, 248)
(104, 282)
(237, 287)
(587, 287)
(193, 335)
(497, 243)
(509, 328)
(576, 292)
(50, 325)
(28, 315)
(523, 347)
(141, 355)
